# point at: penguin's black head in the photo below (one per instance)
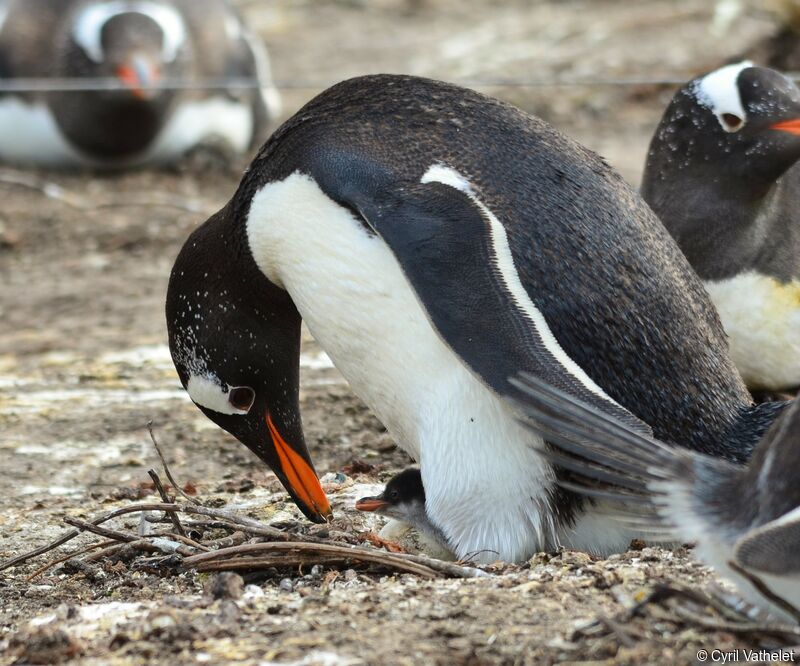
(403, 498)
(739, 124)
(235, 341)
(138, 43)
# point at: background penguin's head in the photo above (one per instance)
(738, 124)
(137, 42)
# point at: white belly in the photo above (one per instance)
(196, 121)
(485, 483)
(762, 319)
(30, 135)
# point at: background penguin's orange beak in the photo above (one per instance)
(791, 126)
(138, 74)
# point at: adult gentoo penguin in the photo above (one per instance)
(437, 242)
(135, 44)
(744, 519)
(722, 176)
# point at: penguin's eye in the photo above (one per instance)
(394, 495)
(731, 122)
(241, 398)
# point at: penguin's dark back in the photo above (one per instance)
(614, 288)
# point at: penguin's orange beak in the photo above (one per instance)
(791, 126)
(138, 74)
(371, 503)
(299, 477)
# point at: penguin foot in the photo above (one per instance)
(380, 542)
(213, 154)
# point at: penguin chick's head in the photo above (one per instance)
(136, 42)
(235, 341)
(402, 499)
(739, 123)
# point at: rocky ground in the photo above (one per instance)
(84, 366)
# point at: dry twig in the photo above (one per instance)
(259, 555)
(166, 499)
(167, 471)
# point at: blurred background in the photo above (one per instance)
(85, 255)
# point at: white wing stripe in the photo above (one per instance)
(504, 262)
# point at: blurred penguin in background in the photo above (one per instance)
(722, 175)
(142, 48)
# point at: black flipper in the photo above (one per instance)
(455, 255)
(601, 449)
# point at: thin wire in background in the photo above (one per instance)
(34, 85)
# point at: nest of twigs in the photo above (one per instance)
(171, 538)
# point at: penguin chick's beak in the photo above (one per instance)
(138, 74)
(300, 478)
(792, 126)
(372, 503)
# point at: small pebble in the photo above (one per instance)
(286, 585)
(226, 585)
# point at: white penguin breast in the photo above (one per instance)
(486, 485)
(29, 135)
(762, 319)
(196, 121)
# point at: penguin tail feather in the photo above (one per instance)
(597, 455)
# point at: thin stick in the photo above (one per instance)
(412, 563)
(70, 556)
(100, 531)
(738, 627)
(167, 471)
(166, 498)
(184, 539)
(146, 544)
(249, 525)
(292, 559)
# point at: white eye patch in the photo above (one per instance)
(88, 26)
(205, 391)
(719, 92)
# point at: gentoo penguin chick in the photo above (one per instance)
(403, 500)
(721, 174)
(745, 520)
(437, 242)
(133, 47)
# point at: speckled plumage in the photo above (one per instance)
(729, 197)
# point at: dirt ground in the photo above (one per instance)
(84, 366)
